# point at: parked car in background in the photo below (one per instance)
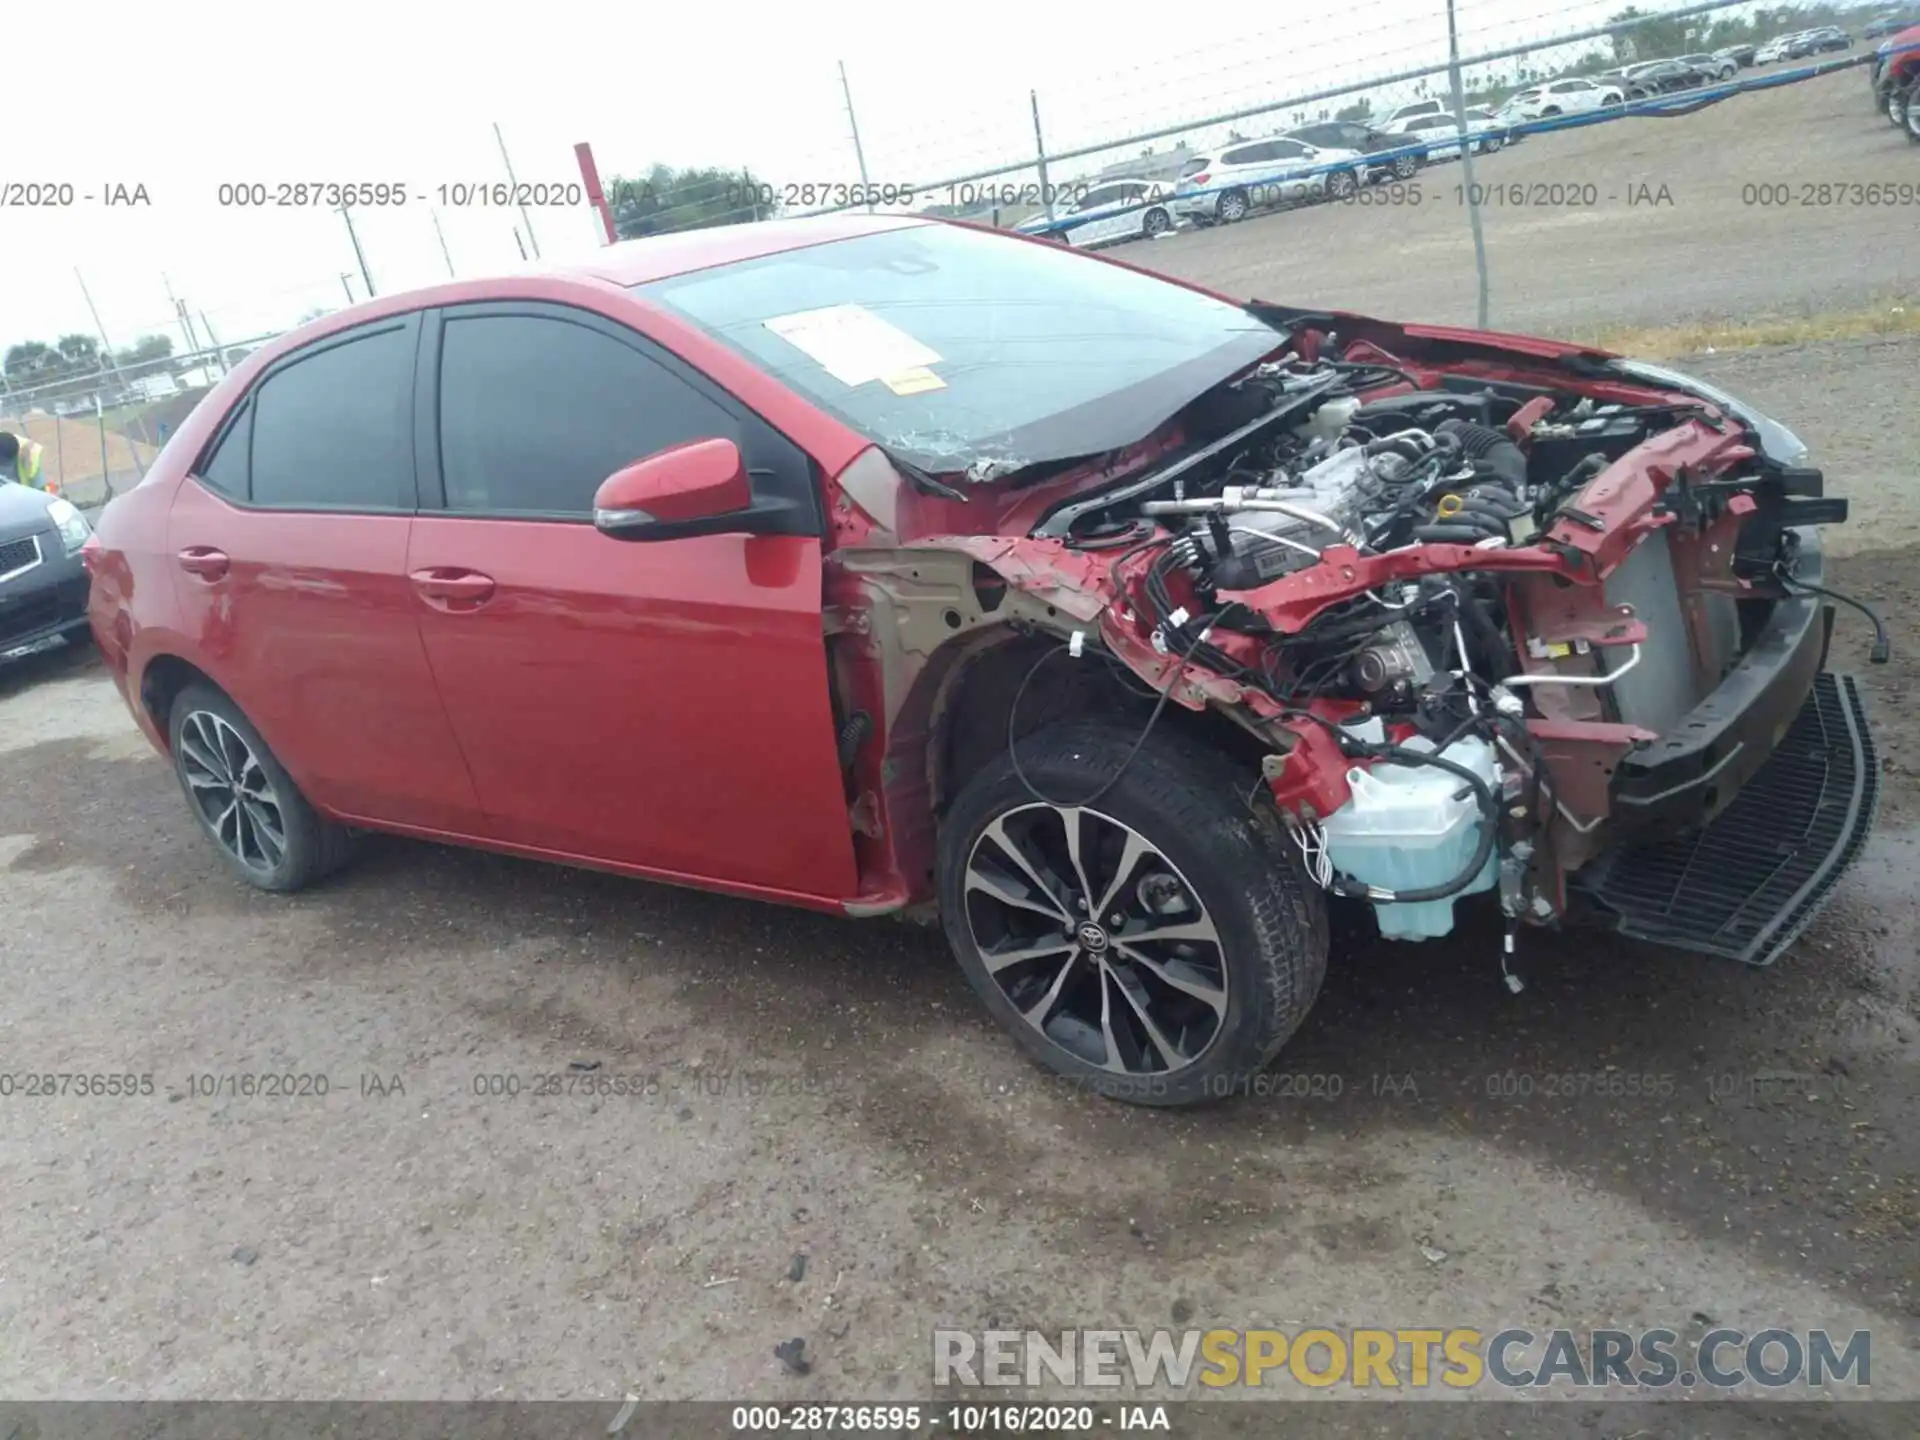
(1716, 65)
(1411, 111)
(1493, 128)
(1260, 174)
(1777, 49)
(1569, 95)
(1661, 77)
(1389, 157)
(43, 583)
(1741, 55)
(1889, 24)
(1108, 214)
(1826, 37)
(1443, 137)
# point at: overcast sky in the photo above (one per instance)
(182, 97)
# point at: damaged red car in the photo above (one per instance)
(886, 566)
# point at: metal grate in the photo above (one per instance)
(18, 555)
(1745, 886)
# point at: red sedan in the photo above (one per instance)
(873, 564)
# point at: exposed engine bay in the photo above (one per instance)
(1460, 608)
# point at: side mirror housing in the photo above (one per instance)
(699, 488)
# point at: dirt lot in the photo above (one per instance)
(830, 1089)
(1644, 221)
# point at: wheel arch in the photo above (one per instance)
(934, 642)
(162, 679)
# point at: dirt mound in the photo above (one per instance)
(73, 448)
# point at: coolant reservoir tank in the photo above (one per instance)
(1407, 827)
(1330, 421)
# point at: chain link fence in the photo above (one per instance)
(1093, 171)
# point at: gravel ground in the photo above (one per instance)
(830, 1089)
(1643, 221)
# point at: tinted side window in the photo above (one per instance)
(535, 412)
(334, 430)
(226, 469)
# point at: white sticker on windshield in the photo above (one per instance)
(853, 344)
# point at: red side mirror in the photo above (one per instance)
(701, 480)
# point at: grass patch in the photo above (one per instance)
(1891, 317)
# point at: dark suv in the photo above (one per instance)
(1397, 157)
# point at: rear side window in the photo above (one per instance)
(1194, 167)
(334, 430)
(226, 469)
(535, 412)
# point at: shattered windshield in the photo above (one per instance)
(969, 353)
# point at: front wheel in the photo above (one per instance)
(1491, 145)
(1342, 185)
(1912, 113)
(1405, 167)
(1156, 222)
(1153, 939)
(265, 829)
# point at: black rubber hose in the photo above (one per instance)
(1454, 534)
(1489, 809)
(1488, 448)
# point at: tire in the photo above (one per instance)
(1900, 105)
(1405, 167)
(1342, 184)
(1155, 222)
(1912, 126)
(1181, 817)
(215, 748)
(1492, 145)
(1232, 206)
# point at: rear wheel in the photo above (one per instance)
(1152, 937)
(1405, 167)
(1232, 206)
(1342, 184)
(264, 828)
(1900, 100)
(1912, 115)
(1156, 222)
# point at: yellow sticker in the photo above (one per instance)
(914, 381)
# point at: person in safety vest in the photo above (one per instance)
(20, 462)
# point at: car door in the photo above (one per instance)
(1102, 215)
(660, 705)
(290, 537)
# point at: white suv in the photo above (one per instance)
(1255, 174)
(1571, 96)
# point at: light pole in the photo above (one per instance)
(1466, 160)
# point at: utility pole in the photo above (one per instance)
(442, 236)
(1466, 161)
(219, 355)
(358, 254)
(1040, 148)
(180, 313)
(515, 187)
(859, 155)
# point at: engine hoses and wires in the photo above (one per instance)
(1160, 704)
(1882, 650)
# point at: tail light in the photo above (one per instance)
(1199, 179)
